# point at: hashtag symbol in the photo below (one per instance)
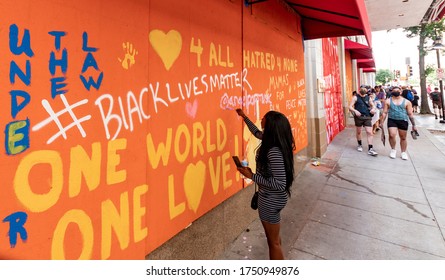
(54, 118)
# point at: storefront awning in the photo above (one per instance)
(437, 11)
(365, 63)
(327, 18)
(357, 50)
(369, 70)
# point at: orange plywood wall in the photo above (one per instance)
(119, 121)
(275, 61)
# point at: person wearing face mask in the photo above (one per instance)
(398, 110)
(363, 108)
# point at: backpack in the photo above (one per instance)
(435, 96)
(409, 95)
(362, 105)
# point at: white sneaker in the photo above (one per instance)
(360, 148)
(371, 152)
(404, 155)
(393, 153)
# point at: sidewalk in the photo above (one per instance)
(358, 207)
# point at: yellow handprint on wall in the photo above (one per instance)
(130, 54)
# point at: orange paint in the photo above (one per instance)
(131, 117)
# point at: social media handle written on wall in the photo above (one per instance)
(217, 269)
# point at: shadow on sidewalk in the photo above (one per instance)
(357, 207)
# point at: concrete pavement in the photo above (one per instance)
(357, 207)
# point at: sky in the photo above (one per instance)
(391, 50)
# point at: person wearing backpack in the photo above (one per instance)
(407, 93)
(437, 102)
(363, 108)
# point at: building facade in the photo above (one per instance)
(119, 120)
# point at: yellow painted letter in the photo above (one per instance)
(119, 222)
(163, 150)
(182, 129)
(138, 213)
(198, 137)
(215, 173)
(83, 221)
(174, 210)
(221, 134)
(213, 57)
(113, 160)
(39, 202)
(226, 168)
(82, 164)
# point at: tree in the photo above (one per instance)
(383, 76)
(425, 31)
(430, 73)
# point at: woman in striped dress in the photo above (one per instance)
(274, 173)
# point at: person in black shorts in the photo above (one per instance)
(415, 102)
(398, 110)
(436, 97)
(274, 173)
(362, 107)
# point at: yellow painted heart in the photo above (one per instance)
(194, 182)
(167, 46)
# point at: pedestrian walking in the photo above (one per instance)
(437, 102)
(363, 109)
(381, 94)
(407, 93)
(375, 121)
(415, 102)
(398, 110)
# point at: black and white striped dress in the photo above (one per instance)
(271, 182)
